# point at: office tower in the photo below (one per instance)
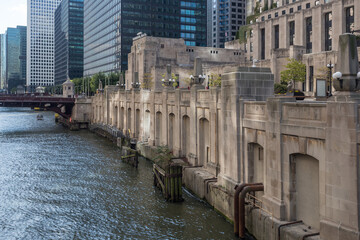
(2, 62)
(40, 42)
(227, 18)
(110, 26)
(15, 57)
(69, 38)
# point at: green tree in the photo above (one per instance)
(78, 85)
(295, 72)
(95, 79)
(147, 82)
(113, 78)
(215, 80)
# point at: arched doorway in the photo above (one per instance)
(121, 118)
(204, 141)
(115, 117)
(185, 135)
(255, 163)
(137, 123)
(147, 125)
(171, 131)
(158, 128)
(128, 121)
(304, 189)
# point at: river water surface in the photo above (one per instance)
(57, 184)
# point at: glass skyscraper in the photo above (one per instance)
(40, 42)
(110, 26)
(69, 50)
(2, 61)
(15, 57)
(227, 17)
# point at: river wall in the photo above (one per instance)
(304, 153)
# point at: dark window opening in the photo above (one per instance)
(262, 43)
(291, 32)
(309, 35)
(328, 31)
(311, 78)
(350, 19)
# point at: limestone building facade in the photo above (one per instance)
(302, 29)
(305, 153)
(151, 55)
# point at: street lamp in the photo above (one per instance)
(135, 85)
(197, 79)
(168, 82)
(338, 76)
(330, 66)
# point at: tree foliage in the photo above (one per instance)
(215, 80)
(147, 82)
(91, 84)
(295, 71)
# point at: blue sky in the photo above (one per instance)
(12, 13)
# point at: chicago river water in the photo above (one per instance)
(57, 184)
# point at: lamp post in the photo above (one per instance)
(330, 66)
(135, 85)
(197, 79)
(168, 82)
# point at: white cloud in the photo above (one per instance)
(12, 13)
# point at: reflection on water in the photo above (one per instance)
(57, 184)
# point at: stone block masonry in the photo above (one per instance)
(306, 154)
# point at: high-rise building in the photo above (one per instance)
(40, 42)
(2, 60)
(69, 38)
(227, 18)
(15, 57)
(111, 25)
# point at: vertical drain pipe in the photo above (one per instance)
(238, 189)
(252, 188)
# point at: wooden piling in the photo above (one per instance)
(169, 181)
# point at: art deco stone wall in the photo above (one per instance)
(305, 153)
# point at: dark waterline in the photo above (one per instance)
(57, 184)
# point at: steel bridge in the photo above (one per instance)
(62, 106)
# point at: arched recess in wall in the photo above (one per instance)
(204, 141)
(147, 125)
(158, 128)
(185, 136)
(128, 120)
(137, 123)
(115, 117)
(255, 165)
(304, 189)
(121, 118)
(171, 131)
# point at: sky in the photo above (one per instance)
(12, 13)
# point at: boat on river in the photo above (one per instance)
(40, 117)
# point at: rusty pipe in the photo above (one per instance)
(253, 188)
(287, 224)
(310, 235)
(238, 189)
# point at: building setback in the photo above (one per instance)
(110, 26)
(40, 42)
(15, 57)
(69, 37)
(227, 18)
